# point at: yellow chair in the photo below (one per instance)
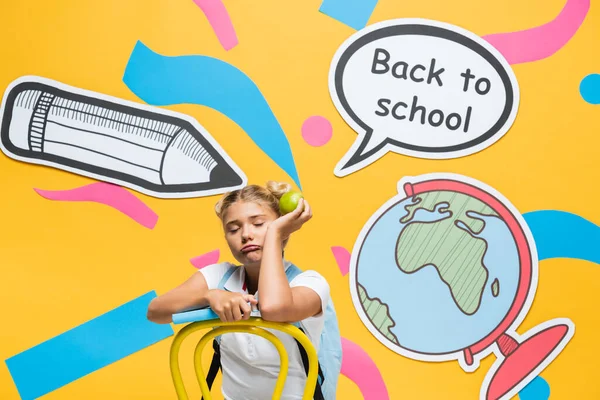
(254, 326)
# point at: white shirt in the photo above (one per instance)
(250, 363)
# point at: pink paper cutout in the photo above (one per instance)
(342, 257)
(110, 195)
(542, 41)
(206, 259)
(316, 131)
(358, 366)
(218, 17)
(527, 359)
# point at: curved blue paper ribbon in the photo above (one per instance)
(160, 80)
(559, 234)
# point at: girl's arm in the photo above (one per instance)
(277, 301)
(194, 293)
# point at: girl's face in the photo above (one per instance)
(245, 225)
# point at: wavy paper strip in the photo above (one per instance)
(109, 195)
(542, 41)
(219, 19)
(360, 368)
(559, 234)
(197, 79)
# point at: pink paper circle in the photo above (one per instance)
(317, 131)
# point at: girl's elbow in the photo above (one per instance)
(273, 313)
(154, 314)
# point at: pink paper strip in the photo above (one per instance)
(543, 41)
(206, 259)
(358, 366)
(109, 195)
(342, 257)
(218, 17)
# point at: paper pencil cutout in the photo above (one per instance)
(152, 150)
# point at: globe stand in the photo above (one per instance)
(523, 360)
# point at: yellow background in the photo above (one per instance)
(66, 263)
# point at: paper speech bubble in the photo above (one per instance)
(421, 88)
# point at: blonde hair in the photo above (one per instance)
(268, 195)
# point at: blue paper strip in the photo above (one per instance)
(207, 81)
(559, 234)
(204, 314)
(354, 13)
(86, 348)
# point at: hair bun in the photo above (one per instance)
(219, 205)
(278, 189)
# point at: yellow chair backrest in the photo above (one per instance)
(254, 326)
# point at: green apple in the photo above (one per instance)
(289, 201)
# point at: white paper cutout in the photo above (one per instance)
(447, 270)
(149, 149)
(420, 88)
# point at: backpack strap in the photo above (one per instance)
(225, 278)
(291, 272)
(215, 365)
(318, 392)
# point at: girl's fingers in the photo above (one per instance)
(221, 316)
(245, 307)
(228, 314)
(236, 311)
(299, 209)
(307, 211)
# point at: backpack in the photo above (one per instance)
(329, 354)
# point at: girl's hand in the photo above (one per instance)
(287, 224)
(229, 306)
